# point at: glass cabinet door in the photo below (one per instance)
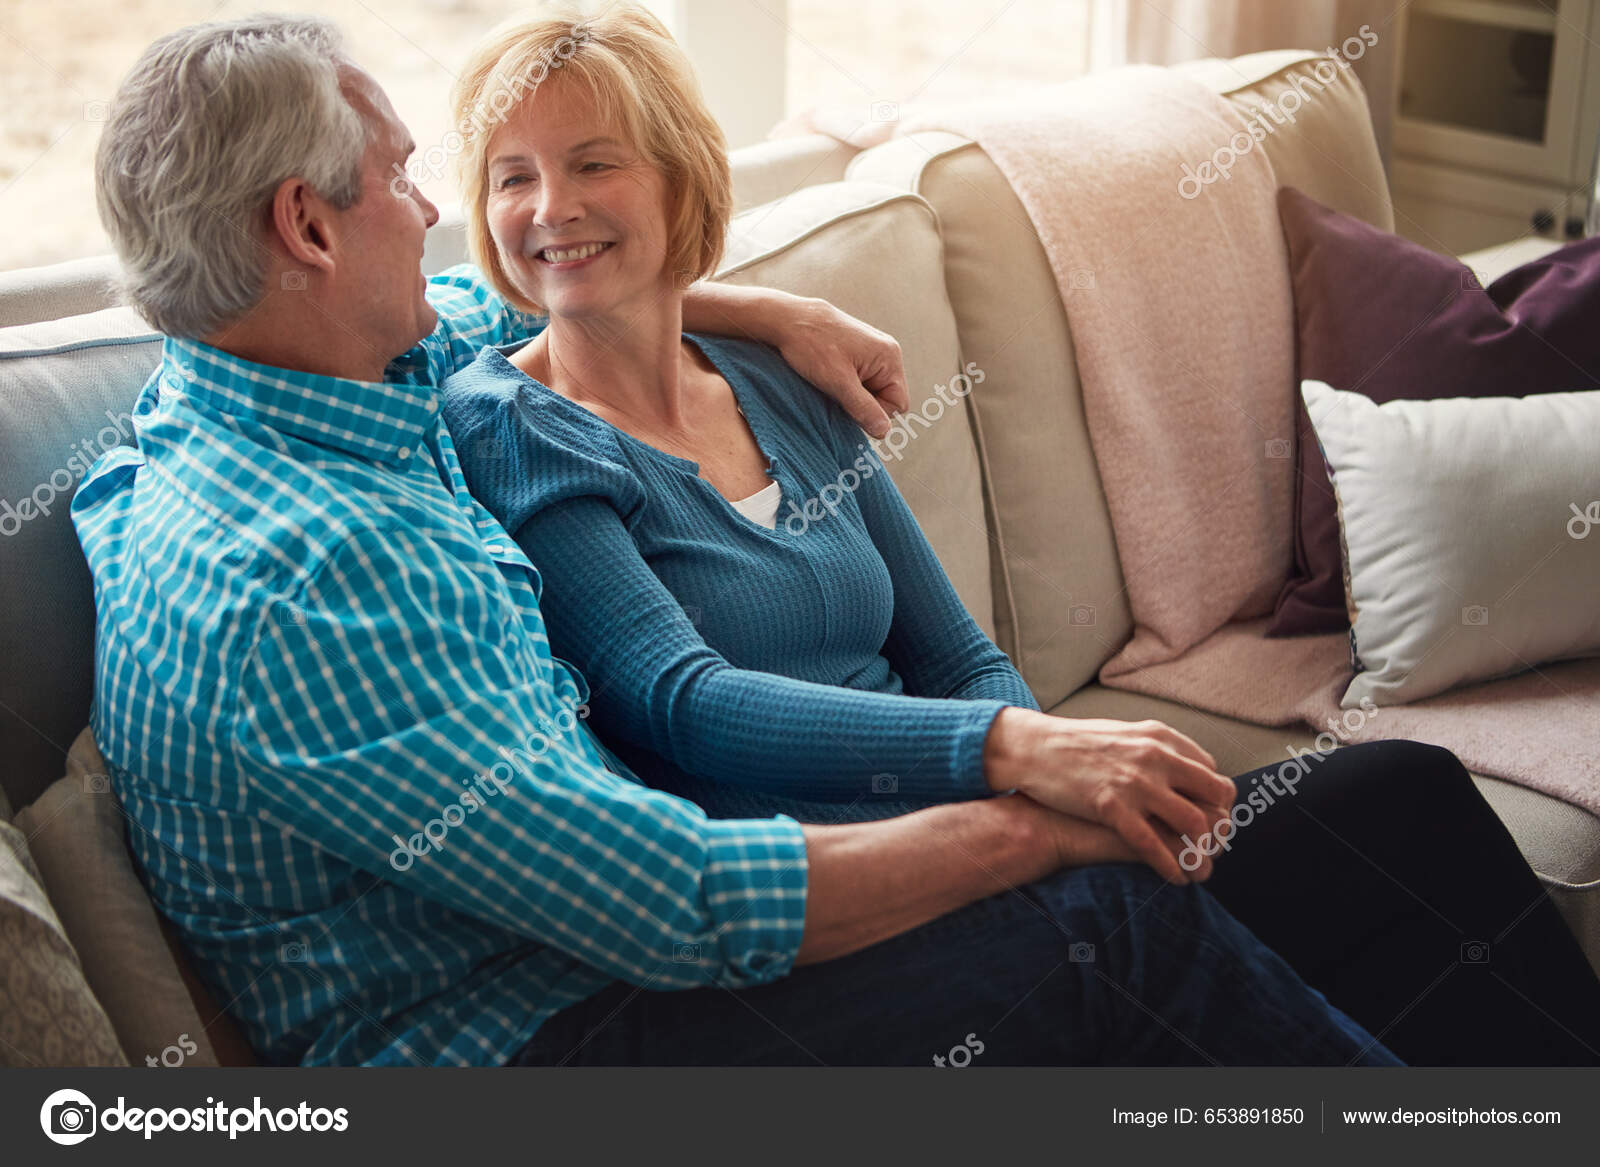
(1493, 84)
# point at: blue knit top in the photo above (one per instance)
(796, 662)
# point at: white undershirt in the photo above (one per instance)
(761, 507)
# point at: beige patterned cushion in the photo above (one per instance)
(75, 832)
(48, 1016)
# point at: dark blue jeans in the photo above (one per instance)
(1102, 965)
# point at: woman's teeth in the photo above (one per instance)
(569, 254)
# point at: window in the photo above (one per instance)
(61, 62)
(903, 51)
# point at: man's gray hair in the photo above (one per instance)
(205, 127)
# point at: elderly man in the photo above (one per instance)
(358, 781)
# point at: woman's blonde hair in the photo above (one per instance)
(628, 66)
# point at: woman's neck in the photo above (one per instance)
(628, 367)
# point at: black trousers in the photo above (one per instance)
(1390, 885)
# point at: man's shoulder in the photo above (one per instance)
(469, 307)
(256, 505)
(471, 314)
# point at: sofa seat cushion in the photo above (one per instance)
(1560, 841)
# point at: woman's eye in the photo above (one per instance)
(510, 180)
(594, 166)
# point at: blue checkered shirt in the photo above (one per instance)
(355, 778)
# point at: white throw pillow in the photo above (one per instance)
(1467, 533)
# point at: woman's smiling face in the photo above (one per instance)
(578, 215)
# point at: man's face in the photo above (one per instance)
(378, 286)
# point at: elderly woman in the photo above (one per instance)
(833, 673)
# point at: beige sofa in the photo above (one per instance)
(922, 237)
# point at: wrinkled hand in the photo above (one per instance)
(848, 360)
(1144, 780)
(1078, 843)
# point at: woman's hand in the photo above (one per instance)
(1146, 781)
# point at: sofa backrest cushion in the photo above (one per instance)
(768, 171)
(67, 389)
(875, 252)
(31, 294)
(1061, 609)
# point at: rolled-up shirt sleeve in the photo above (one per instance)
(471, 315)
(394, 716)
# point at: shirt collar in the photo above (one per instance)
(381, 420)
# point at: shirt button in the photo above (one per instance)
(405, 455)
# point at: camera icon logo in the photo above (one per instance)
(1474, 952)
(96, 784)
(291, 615)
(294, 281)
(1475, 615)
(293, 952)
(885, 784)
(67, 1117)
(885, 111)
(1082, 952)
(1081, 615)
(1278, 449)
(686, 953)
(96, 111)
(1080, 278)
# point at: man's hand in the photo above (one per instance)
(853, 363)
(1077, 843)
(1144, 780)
(850, 361)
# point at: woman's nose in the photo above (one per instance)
(558, 203)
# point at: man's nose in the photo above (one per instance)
(430, 213)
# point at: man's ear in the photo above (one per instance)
(303, 222)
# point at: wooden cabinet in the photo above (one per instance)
(1499, 107)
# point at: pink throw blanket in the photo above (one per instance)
(1182, 318)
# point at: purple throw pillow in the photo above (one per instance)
(1382, 316)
